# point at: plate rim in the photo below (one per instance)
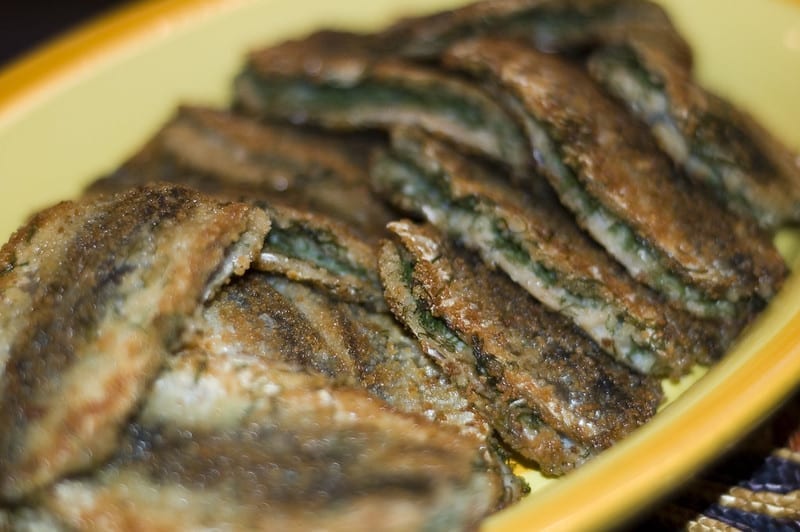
(63, 59)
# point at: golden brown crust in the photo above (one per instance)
(241, 390)
(542, 22)
(306, 456)
(237, 158)
(771, 171)
(330, 78)
(548, 236)
(107, 284)
(618, 164)
(524, 362)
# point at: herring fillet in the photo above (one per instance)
(303, 327)
(93, 294)
(304, 456)
(247, 368)
(715, 144)
(345, 81)
(539, 246)
(314, 249)
(376, 355)
(238, 158)
(623, 191)
(550, 392)
(564, 26)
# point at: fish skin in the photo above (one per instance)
(297, 80)
(536, 226)
(297, 325)
(112, 281)
(238, 158)
(563, 26)
(239, 396)
(313, 457)
(371, 351)
(549, 391)
(725, 257)
(716, 144)
(314, 249)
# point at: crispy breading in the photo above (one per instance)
(548, 390)
(715, 143)
(93, 295)
(537, 243)
(606, 169)
(343, 81)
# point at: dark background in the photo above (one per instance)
(26, 24)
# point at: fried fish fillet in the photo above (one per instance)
(385, 361)
(715, 143)
(549, 391)
(343, 81)
(302, 456)
(93, 294)
(389, 364)
(607, 170)
(566, 26)
(246, 363)
(311, 248)
(533, 240)
(235, 157)
(285, 322)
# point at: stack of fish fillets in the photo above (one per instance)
(566, 144)
(262, 385)
(681, 210)
(400, 259)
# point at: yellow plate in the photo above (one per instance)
(76, 108)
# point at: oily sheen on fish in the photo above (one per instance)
(607, 170)
(92, 296)
(549, 391)
(238, 158)
(344, 81)
(532, 239)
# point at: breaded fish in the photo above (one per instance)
(343, 81)
(303, 456)
(236, 157)
(549, 391)
(285, 322)
(533, 240)
(246, 366)
(566, 26)
(93, 294)
(391, 366)
(607, 170)
(715, 143)
(311, 248)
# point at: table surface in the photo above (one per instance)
(757, 485)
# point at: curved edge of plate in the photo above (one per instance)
(31, 77)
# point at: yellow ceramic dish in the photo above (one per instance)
(76, 108)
